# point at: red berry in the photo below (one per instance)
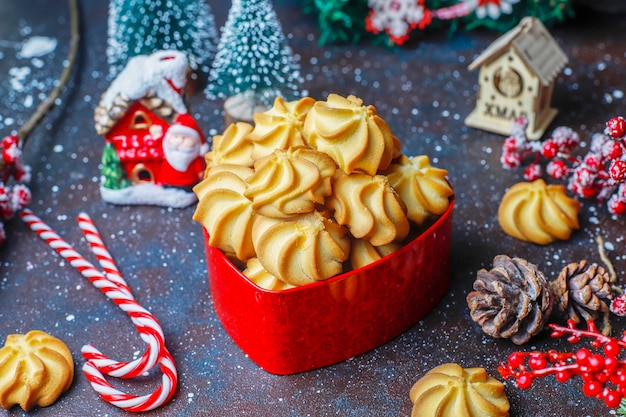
(592, 388)
(582, 355)
(553, 356)
(537, 362)
(612, 348)
(8, 141)
(21, 175)
(616, 127)
(617, 170)
(557, 169)
(618, 305)
(510, 160)
(585, 176)
(612, 149)
(612, 398)
(9, 155)
(532, 172)
(588, 192)
(614, 378)
(524, 380)
(602, 377)
(509, 145)
(6, 211)
(616, 206)
(516, 359)
(611, 363)
(583, 191)
(587, 376)
(4, 194)
(521, 121)
(565, 138)
(549, 149)
(21, 196)
(562, 376)
(595, 362)
(592, 162)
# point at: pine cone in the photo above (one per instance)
(512, 300)
(584, 292)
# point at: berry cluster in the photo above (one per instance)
(600, 174)
(601, 369)
(18, 196)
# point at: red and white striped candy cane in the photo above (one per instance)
(114, 287)
(130, 402)
(147, 325)
(102, 253)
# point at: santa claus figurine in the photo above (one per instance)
(184, 147)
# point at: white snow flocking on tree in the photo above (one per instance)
(139, 27)
(253, 57)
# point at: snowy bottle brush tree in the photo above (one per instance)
(253, 58)
(139, 27)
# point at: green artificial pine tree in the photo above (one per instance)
(140, 27)
(253, 57)
(114, 178)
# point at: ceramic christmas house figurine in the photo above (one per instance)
(516, 78)
(154, 149)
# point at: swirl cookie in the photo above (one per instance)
(35, 369)
(352, 134)
(369, 207)
(280, 127)
(289, 183)
(232, 147)
(224, 211)
(362, 252)
(257, 274)
(452, 391)
(301, 250)
(538, 213)
(423, 188)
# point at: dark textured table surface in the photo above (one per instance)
(423, 90)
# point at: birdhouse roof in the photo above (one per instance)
(535, 46)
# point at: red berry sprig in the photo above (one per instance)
(16, 197)
(517, 149)
(601, 369)
(600, 174)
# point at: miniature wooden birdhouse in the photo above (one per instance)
(516, 78)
